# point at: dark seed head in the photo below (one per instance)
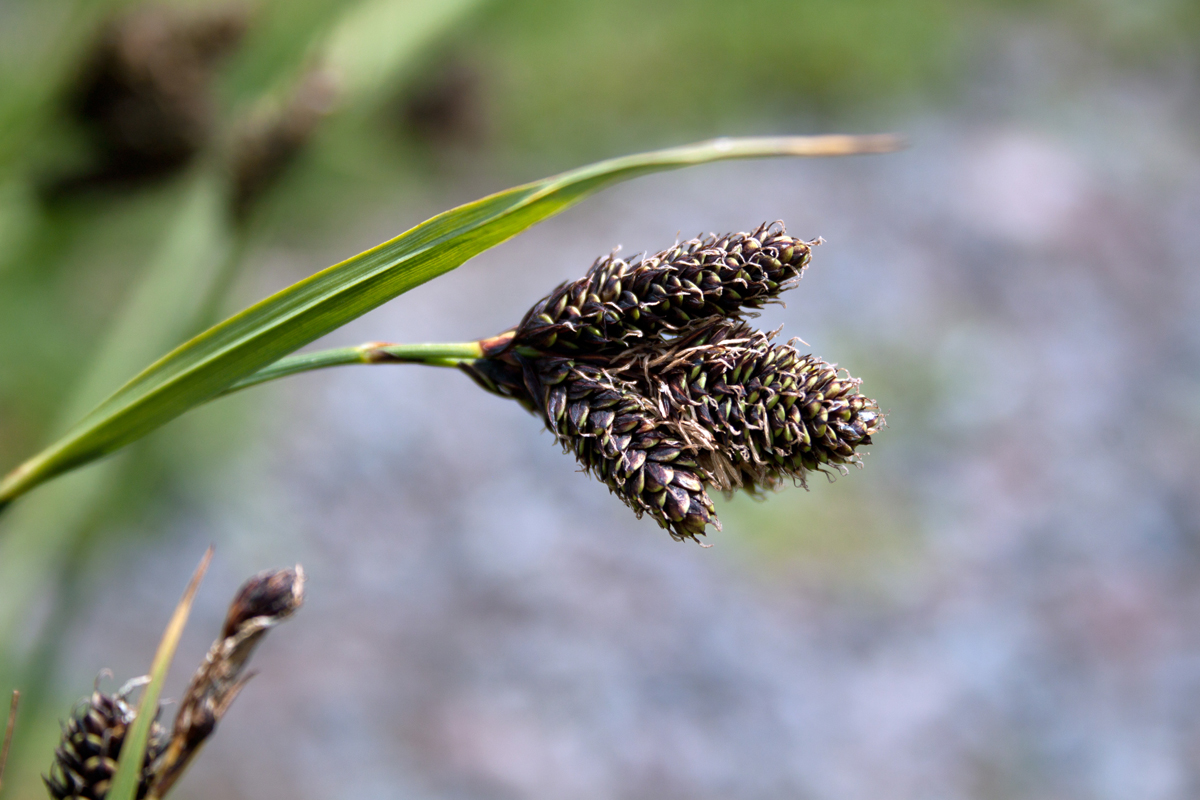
(275, 593)
(632, 466)
(86, 757)
(824, 426)
(647, 373)
(697, 280)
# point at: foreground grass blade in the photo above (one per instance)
(205, 366)
(133, 750)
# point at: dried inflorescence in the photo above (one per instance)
(265, 600)
(86, 758)
(649, 374)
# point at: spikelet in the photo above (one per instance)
(649, 374)
(274, 135)
(617, 435)
(86, 758)
(145, 95)
(772, 412)
(619, 303)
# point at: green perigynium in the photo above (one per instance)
(649, 374)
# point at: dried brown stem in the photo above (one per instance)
(263, 601)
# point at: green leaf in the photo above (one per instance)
(133, 749)
(202, 368)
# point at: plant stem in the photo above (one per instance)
(434, 355)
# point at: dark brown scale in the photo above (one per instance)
(86, 758)
(818, 419)
(647, 373)
(716, 277)
(595, 417)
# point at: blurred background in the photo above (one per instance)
(1001, 604)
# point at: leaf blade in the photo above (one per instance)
(203, 367)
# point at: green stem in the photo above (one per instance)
(434, 355)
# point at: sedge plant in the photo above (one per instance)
(647, 371)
